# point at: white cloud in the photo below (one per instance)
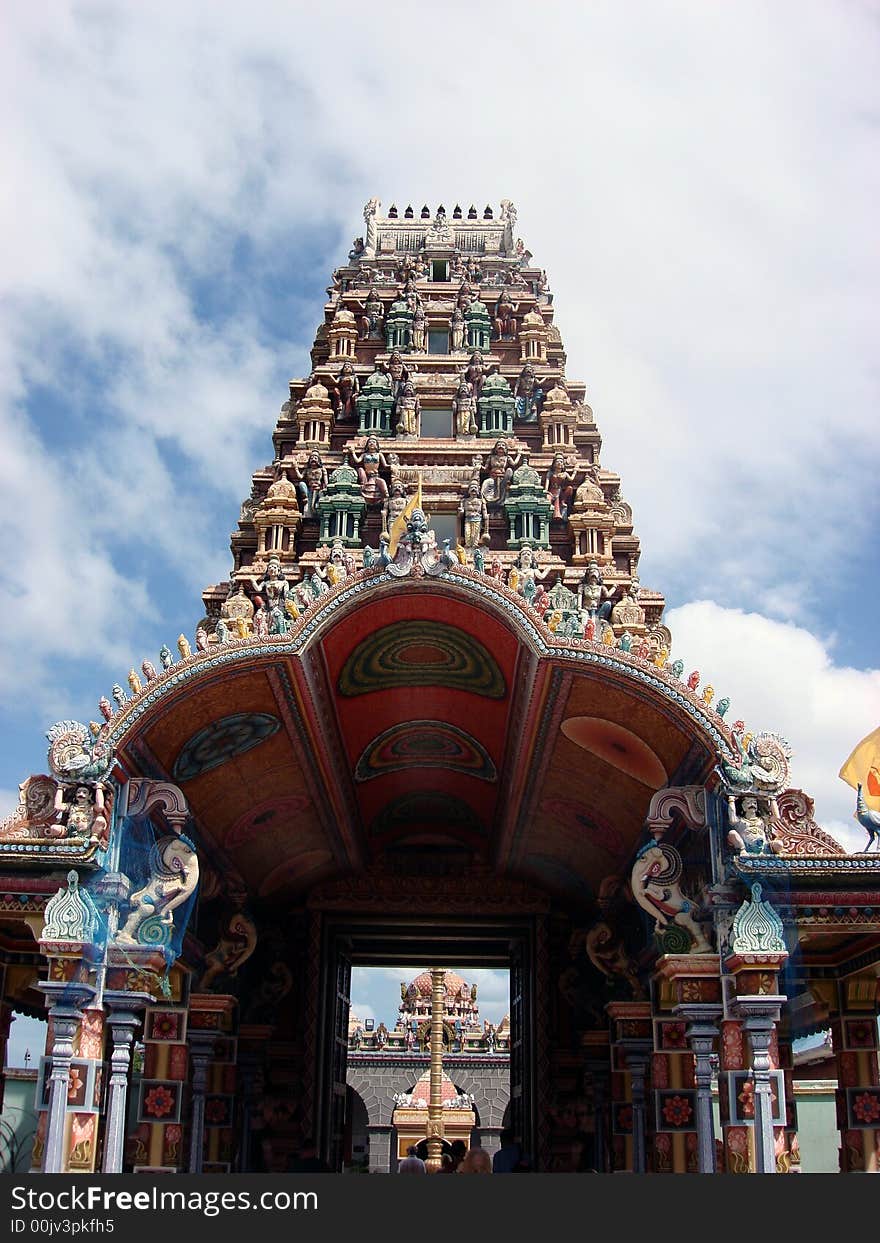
(781, 678)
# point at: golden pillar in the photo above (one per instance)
(435, 1101)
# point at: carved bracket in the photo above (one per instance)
(143, 795)
(690, 801)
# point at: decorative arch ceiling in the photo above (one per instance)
(428, 716)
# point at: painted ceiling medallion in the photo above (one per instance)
(617, 746)
(221, 740)
(425, 744)
(268, 817)
(420, 653)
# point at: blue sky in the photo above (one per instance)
(699, 181)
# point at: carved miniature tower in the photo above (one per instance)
(439, 362)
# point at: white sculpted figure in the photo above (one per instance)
(174, 875)
(655, 887)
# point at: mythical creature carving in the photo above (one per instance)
(606, 951)
(75, 756)
(174, 874)
(35, 812)
(762, 766)
(237, 942)
(655, 886)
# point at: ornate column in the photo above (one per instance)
(68, 941)
(123, 1023)
(854, 1034)
(689, 988)
(632, 1043)
(201, 1050)
(251, 1066)
(702, 1034)
(212, 1046)
(65, 1017)
(597, 1063)
(758, 953)
(435, 1101)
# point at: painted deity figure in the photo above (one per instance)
(476, 515)
(274, 592)
(81, 816)
(465, 297)
(464, 407)
(456, 328)
(408, 409)
(346, 387)
(594, 597)
(529, 394)
(398, 372)
(559, 485)
(751, 832)
(504, 322)
(418, 328)
(528, 575)
(371, 211)
(475, 373)
(310, 482)
(374, 489)
(340, 563)
(395, 503)
(499, 471)
(371, 320)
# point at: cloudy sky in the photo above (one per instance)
(698, 180)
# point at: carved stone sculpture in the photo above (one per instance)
(476, 515)
(174, 870)
(654, 881)
(751, 830)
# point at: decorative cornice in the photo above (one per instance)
(322, 613)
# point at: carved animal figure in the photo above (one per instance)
(174, 875)
(868, 819)
(74, 756)
(655, 887)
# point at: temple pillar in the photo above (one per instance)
(598, 1065)
(122, 1023)
(632, 1043)
(212, 1047)
(156, 1142)
(379, 1150)
(854, 1036)
(253, 1040)
(756, 1096)
(65, 1017)
(788, 1156)
(201, 1046)
(688, 991)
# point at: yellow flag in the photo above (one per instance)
(863, 769)
(398, 526)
